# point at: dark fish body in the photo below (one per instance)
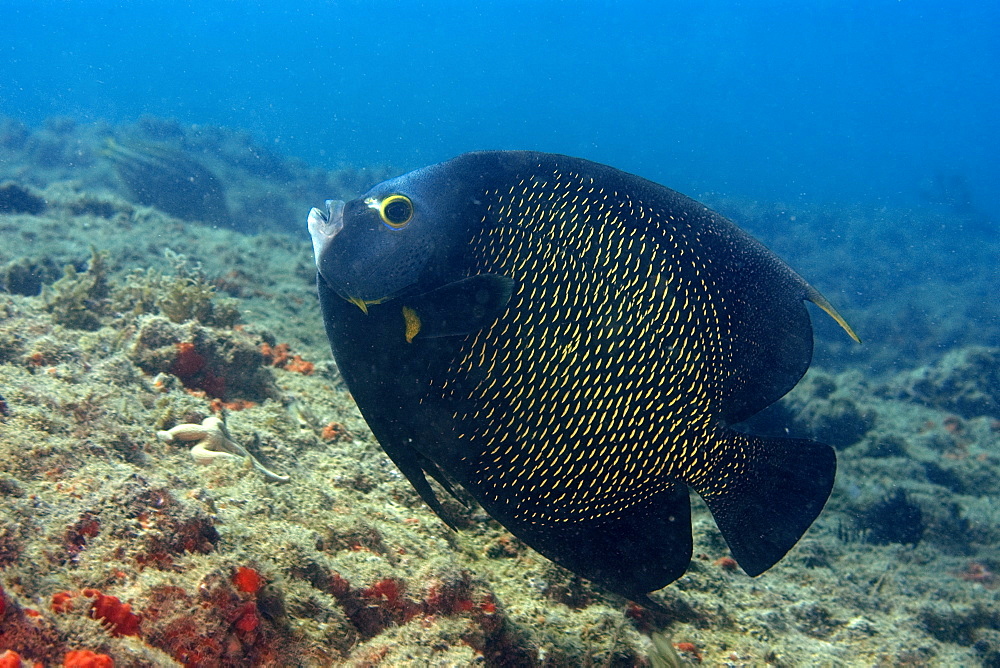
(171, 181)
(569, 343)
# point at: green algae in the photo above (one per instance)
(182, 293)
(77, 300)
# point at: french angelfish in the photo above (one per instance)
(569, 343)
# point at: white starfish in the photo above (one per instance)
(213, 441)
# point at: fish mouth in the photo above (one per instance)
(323, 227)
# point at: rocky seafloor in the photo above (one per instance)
(119, 321)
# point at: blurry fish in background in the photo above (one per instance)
(170, 180)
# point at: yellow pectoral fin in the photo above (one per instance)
(412, 323)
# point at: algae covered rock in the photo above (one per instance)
(224, 364)
(15, 198)
(829, 408)
(26, 275)
(965, 381)
(839, 421)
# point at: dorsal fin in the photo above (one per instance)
(813, 295)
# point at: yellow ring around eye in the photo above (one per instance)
(396, 211)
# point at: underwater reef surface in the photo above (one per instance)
(131, 526)
(234, 180)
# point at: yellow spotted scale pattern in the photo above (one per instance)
(595, 389)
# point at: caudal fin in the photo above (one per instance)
(765, 492)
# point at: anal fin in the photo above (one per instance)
(643, 548)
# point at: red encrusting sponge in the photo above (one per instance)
(84, 658)
(247, 580)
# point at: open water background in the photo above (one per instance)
(832, 102)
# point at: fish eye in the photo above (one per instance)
(396, 211)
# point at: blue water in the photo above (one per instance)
(872, 101)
